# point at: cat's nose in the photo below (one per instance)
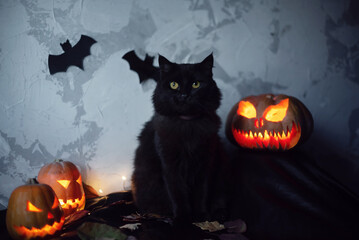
(182, 97)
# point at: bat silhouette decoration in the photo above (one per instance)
(144, 68)
(72, 56)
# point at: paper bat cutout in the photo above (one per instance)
(144, 68)
(72, 56)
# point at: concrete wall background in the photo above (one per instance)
(308, 49)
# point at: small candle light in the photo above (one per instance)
(100, 191)
(124, 182)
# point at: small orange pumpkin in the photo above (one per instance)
(65, 179)
(267, 121)
(33, 212)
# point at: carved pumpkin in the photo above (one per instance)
(267, 121)
(65, 180)
(33, 212)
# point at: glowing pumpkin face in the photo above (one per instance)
(269, 122)
(65, 180)
(33, 212)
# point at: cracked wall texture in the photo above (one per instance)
(308, 49)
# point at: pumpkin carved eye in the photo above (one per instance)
(246, 109)
(32, 208)
(79, 180)
(56, 203)
(64, 183)
(276, 113)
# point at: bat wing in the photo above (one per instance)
(144, 68)
(58, 63)
(81, 50)
(71, 57)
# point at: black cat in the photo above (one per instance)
(179, 163)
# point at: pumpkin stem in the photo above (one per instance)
(32, 181)
(58, 160)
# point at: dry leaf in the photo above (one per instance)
(134, 217)
(153, 216)
(75, 217)
(131, 226)
(91, 230)
(210, 226)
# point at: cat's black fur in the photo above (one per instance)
(178, 166)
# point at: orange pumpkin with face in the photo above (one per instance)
(267, 121)
(65, 179)
(33, 212)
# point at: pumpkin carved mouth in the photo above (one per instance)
(73, 203)
(40, 232)
(268, 139)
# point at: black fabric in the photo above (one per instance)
(282, 195)
(285, 195)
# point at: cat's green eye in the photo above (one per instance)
(196, 84)
(174, 85)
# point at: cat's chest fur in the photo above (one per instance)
(186, 134)
(184, 144)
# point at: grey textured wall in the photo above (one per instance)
(305, 48)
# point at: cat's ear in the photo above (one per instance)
(165, 65)
(208, 62)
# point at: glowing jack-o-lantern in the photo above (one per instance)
(275, 122)
(34, 212)
(65, 179)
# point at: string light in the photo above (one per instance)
(124, 183)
